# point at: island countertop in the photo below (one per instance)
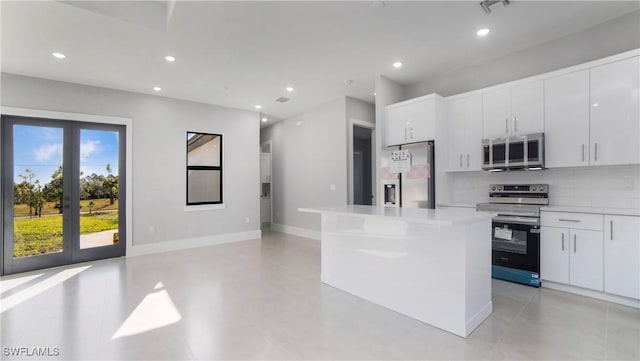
(440, 217)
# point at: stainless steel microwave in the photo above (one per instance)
(516, 152)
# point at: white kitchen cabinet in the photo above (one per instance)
(464, 121)
(265, 167)
(516, 110)
(554, 254)
(622, 255)
(571, 249)
(615, 112)
(413, 120)
(586, 259)
(566, 120)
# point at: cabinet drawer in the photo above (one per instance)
(593, 222)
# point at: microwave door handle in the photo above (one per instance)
(506, 125)
(515, 124)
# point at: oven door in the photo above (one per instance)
(516, 243)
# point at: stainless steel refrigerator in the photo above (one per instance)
(417, 179)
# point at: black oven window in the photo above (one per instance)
(509, 240)
(204, 168)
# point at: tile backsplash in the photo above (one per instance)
(613, 186)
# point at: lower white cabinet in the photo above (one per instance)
(572, 256)
(571, 249)
(622, 255)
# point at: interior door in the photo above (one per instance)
(62, 199)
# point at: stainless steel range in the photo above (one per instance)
(516, 230)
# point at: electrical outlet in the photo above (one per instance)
(628, 184)
(247, 220)
(152, 229)
(332, 187)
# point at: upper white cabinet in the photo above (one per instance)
(566, 126)
(413, 120)
(516, 110)
(622, 255)
(615, 113)
(464, 123)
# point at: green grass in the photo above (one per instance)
(22, 210)
(33, 236)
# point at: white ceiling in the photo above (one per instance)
(239, 53)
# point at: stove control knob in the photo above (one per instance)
(493, 188)
(534, 188)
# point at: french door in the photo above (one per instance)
(63, 201)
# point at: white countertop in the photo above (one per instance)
(442, 217)
(594, 210)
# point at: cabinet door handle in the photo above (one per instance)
(583, 152)
(611, 230)
(405, 133)
(506, 125)
(461, 160)
(410, 133)
(568, 220)
(596, 152)
(467, 160)
(563, 242)
(515, 124)
(574, 243)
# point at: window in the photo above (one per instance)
(204, 168)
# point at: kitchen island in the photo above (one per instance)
(433, 265)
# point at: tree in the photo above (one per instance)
(27, 192)
(54, 189)
(111, 184)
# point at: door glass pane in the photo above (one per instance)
(98, 188)
(508, 239)
(37, 190)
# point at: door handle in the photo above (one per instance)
(410, 133)
(563, 242)
(515, 124)
(461, 160)
(506, 125)
(467, 160)
(611, 230)
(568, 220)
(583, 152)
(596, 152)
(574, 243)
(405, 133)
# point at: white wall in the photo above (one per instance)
(308, 155)
(159, 160)
(609, 38)
(585, 186)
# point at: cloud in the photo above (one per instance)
(46, 152)
(87, 148)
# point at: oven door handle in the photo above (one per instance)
(517, 220)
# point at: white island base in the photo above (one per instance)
(431, 265)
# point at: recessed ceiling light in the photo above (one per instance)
(258, 106)
(170, 58)
(397, 64)
(59, 55)
(289, 89)
(157, 88)
(264, 120)
(483, 32)
(374, 94)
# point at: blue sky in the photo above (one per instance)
(40, 149)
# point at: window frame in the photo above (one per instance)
(206, 168)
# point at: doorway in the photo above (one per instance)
(265, 185)
(362, 166)
(63, 201)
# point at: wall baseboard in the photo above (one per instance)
(591, 293)
(181, 244)
(296, 231)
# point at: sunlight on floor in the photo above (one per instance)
(154, 311)
(38, 288)
(7, 285)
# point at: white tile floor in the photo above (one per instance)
(263, 299)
